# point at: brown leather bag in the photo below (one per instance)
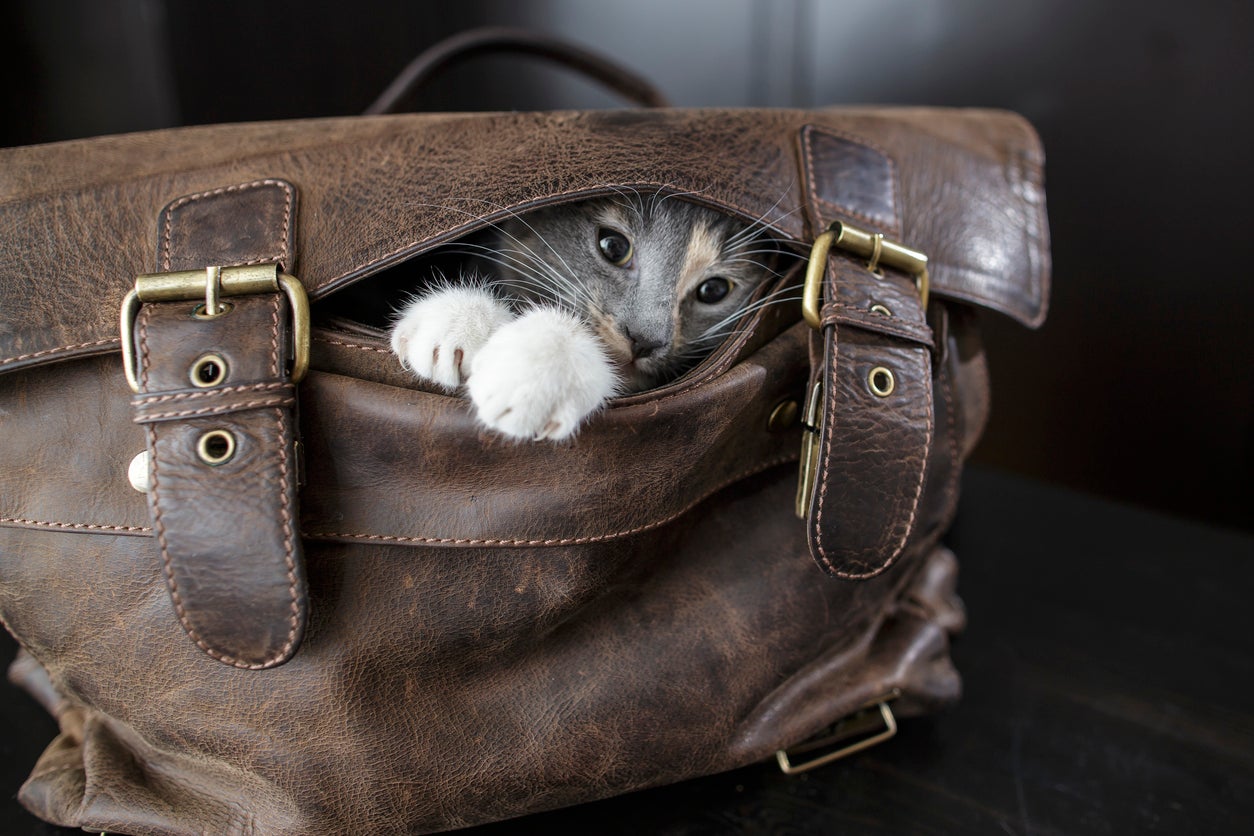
(341, 606)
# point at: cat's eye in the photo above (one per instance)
(712, 291)
(614, 246)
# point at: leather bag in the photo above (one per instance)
(340, 606)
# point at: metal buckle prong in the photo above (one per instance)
(210, 284)
(873, 246)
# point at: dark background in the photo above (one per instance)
(1139, 387)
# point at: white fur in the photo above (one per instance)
(540, 376)
(535, 376)
(438, 335)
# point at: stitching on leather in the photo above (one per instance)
(566, 541)
(832, 363)
(94, 344)
(289, 199)
(850, 561)
(955, 468)
(808, 146)
(145, 315)
(918, 488)
(359, 346)
(285, 511)
(214, 393)
(167, 566)
(73, 526)
(274, 336)
(289, 537)
(860, 318)
(216, 410)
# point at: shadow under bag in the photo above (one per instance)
(340, 606)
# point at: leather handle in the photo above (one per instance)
(495, 39)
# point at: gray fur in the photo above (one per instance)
(646, 312)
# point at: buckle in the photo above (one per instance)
(872, 246)
(871, 725)
(809, 449)
(212, 284)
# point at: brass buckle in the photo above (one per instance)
(863, 722)
(809, 449)
(211, 284)
(879, 251)
(872, 246)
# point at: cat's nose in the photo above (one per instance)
(642, 347)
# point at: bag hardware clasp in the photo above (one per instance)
(873, 246)
(211, 284)
(872, 725)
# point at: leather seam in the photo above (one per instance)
(951, 422)
(565, 541)
(73, 526)
(274, 336)
(358, 346)
(209, 393)
(914, 507)
(289, 537)
(175, 596)
(871, 569)
(217, 410)
(285, 511)
(94, 344)
(832, 363)
(887, 325)
(807, 132)
(289, 200)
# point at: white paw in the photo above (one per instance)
(438, 335)
(540, 376)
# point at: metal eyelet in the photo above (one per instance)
(216, 447)
(208, 371)
(881, 381)
(881, 310)
(199, 312)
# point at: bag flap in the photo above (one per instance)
(80, 218)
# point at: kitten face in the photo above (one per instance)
(659, 280)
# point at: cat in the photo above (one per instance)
(578, 303)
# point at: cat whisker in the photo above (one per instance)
(534, 272)
(627, 203)
(760, 221)
(719, 329)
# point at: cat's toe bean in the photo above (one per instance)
(437, 335)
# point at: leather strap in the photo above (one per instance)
(222, 469)
(873, 360)
(500, 39)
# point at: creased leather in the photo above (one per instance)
(227, 534)
(80, 216)
(874, 449)
(656, 613)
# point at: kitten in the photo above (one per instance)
(584, 302)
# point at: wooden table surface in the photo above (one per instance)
(1108, 667)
